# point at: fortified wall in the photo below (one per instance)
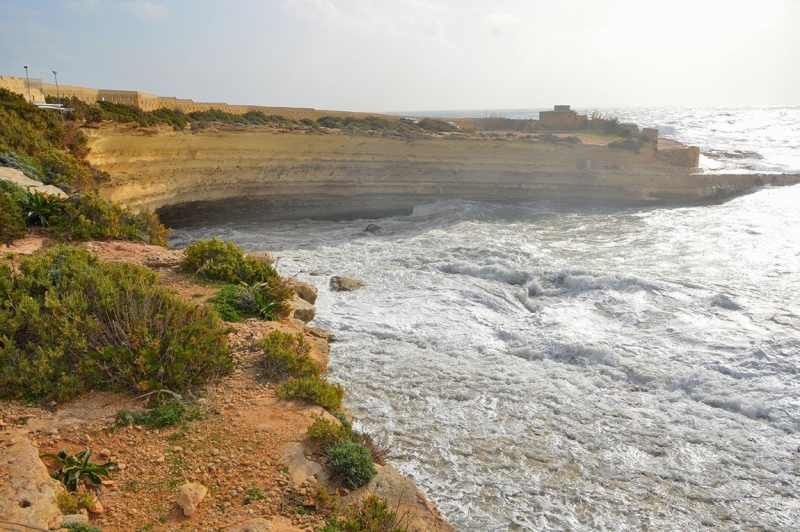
(150, 102)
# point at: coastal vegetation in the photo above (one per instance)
(70, 323)
(250, 287)
(286, 362)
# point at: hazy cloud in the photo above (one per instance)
(143, 9)
(83, 5)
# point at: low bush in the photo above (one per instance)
(81, 527)
(74, 467)
(89, 217)
(165, 415)
(352, 463)
(431, 124)
(286, 355)
(69, 322)
(71, 503)
(313, 389)
(328, 434)
(627, 145)
(12, 222)
(217, 260)
(27, 165)
(39, 208)
(236, 303)
(370, 515)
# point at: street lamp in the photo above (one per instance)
(28, 83)
(58, 94)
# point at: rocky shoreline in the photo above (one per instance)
(246, 442)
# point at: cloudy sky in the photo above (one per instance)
(403, 55)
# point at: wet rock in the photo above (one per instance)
(189, 497)
(263, 256)
(301, 310)
(325, 334)
(259, 524)
(27, 493)
(343, 284)
(305, 291)
(372, 228)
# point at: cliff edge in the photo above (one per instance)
(200, 176)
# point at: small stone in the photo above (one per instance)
(233, 493)
(105, 453)
(214, 452)
(96, 508)
(189, 497)
(107, 482)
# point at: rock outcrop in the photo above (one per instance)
(305, 291)
(301, 309)
(343, 284)
(263, 174)
(404, 498)
(27, 493)
(25, 182)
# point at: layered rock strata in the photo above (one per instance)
(199, 177)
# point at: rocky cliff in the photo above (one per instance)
(277, 174)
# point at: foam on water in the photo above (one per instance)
(544, 367)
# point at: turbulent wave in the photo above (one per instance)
(538, 367)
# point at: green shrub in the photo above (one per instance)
(45, 147)
(627, 145)
(74, 467)
(217, 260)
(12, 222)
(39, 208)
(326, 433)
(27, 165)
(69, 322)
(314, 389)
(286, 355)
(90, 217)
(81, 527)
(353, 464)
(165, 415)
(370, 515)
(226, 303)
(236, 303)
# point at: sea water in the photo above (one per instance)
(550, 367)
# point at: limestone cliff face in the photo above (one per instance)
(294, 174)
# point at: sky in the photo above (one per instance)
(406, 55)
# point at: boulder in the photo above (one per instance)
(74, 519)
(403, 497)
(324, 334)
(306, 291)
(25, 182)
(372, 228)
(343, 284)
(259, 524)
(300, 467)
(301, 310)
(189, 497)
(263, 256)
(27, 492)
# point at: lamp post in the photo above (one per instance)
(58, 94)
(28, 83)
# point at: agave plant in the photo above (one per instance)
(39, 207)
(77, 466)
(267, 307)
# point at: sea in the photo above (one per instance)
(540, 366)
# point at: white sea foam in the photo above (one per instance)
(539, 367)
